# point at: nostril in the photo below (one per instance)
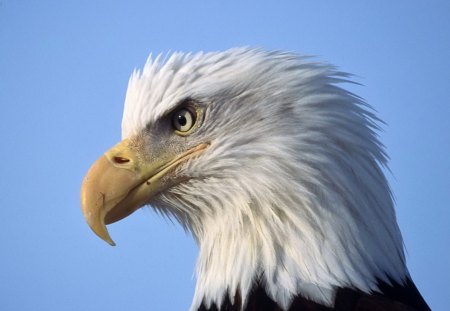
(120, 160)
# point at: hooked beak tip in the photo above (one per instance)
(101, 231)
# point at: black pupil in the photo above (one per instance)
(182, 120)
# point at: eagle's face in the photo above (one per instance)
(223, 130)
(273, 168)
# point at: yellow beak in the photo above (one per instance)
(120, 182)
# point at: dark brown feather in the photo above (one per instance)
(393, 297)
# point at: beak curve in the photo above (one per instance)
(119, 183)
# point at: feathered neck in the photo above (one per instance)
(307, 250)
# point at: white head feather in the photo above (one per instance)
(291, 191)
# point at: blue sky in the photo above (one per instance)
(64, 68)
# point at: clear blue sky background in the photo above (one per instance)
(64, 67)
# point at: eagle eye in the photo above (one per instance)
(184, 119)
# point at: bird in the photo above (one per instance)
(275, 169)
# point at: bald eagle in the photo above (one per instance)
(276, 171)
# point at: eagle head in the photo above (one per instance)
(272, 166)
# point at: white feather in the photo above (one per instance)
(291, 191)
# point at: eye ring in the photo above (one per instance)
(184, 119)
